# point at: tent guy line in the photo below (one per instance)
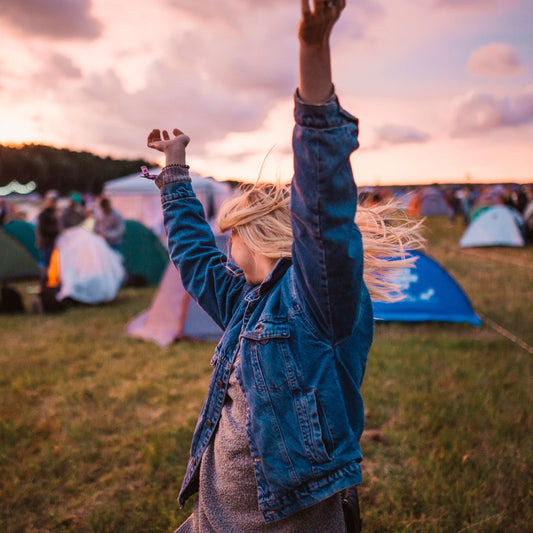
(506, 333)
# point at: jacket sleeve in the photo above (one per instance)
(204, 269)
(327, 250)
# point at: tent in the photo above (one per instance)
(173, 314)
(427, 202)
(15, 260)
(431, 295)
(494, 226)
(24, 232)
(433, 203)
(138, 198)
(144, 254)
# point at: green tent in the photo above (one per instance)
(24, 232)
(144, 254)
(15, 261)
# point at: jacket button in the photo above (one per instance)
(220, 384)
(259, 328)
(208, 423)
(193, 461)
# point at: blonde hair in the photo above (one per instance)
(260, 215)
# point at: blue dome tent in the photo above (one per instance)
(431, 295)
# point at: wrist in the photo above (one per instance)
(175, 159)
(175, 154)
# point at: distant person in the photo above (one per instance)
(465, 197)
(521, 199)
(3, 212)
(454, 203)
(47, 230)
(74, 214)
(109, 224)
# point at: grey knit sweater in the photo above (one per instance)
(227, 499)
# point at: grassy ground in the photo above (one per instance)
(95, 427)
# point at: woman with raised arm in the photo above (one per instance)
(277, 441)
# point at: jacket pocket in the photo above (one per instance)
(266, 345)
(268, 328)
(311, 428)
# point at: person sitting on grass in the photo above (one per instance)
(277, 443)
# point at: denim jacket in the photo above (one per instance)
(303, 334)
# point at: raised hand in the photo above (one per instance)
(315, 85)
(173, 148)
(316, 24)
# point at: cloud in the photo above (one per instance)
(205, 109)
(57, 69)
(59, 19)
(478, 113)
(394, 134)
(223, 69)
(495, 60)
(65, 66)
(478, 4)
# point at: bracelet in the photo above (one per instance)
(176, 165)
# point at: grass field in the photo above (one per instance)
(95, 427)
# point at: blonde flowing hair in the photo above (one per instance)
(260, 215)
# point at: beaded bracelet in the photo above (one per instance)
(177, 165)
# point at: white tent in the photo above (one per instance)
(137, 198)
(494, 226)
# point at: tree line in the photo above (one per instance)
(62, 169)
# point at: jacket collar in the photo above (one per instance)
(272, 278)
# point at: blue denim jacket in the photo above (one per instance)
(303, 334)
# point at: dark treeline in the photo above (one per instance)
(61, 169)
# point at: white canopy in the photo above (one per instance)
(137, 198)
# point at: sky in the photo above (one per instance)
(443, 88)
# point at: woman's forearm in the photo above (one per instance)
(315, 85)
(318, 19)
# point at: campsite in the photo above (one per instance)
(95, 425)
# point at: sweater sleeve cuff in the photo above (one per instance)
(172, 174)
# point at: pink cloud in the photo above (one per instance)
(478, 4)
(393, 134)
(56, 70)
(478, 113)
(496, 60)
(59, 19)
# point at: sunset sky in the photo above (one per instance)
(443, 88)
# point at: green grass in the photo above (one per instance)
(95, 427)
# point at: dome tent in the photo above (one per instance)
(144, 254)
(173, 314)
(431, 295)
(16, 261)
(24, 232)
(494, 226)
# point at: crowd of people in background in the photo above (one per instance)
(98, 214)
(461, 200)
